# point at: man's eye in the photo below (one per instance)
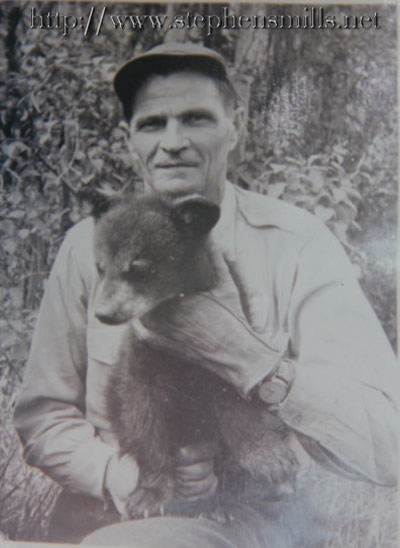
(153, 124)
(100, 270)
(198, 118)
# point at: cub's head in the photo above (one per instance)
(149, 249)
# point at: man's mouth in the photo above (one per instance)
(176, 165)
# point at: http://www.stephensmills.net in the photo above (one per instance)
(97, 18)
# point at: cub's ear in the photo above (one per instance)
(100, 200)
(196, 213)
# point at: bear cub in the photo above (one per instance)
(152, 250)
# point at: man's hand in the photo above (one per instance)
(194, 472)
(121, 480)
(211, 329)
(194, 476)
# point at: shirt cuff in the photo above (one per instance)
(264, 364)
(87, 467)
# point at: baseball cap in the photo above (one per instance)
(162, 60)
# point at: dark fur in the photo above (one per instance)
(149, 251)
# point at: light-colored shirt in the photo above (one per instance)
(300, 289)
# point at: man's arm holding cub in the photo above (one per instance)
(50, 413)
(342, 402)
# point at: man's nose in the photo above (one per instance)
(173, 139)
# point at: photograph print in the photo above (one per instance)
(198, 223)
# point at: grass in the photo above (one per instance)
(361, 515)
(26, 495)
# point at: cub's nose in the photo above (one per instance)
(109, 319)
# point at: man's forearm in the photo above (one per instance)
(59, 441)
(49, 414)
(336, 401)
(350, 427)
(232, 350)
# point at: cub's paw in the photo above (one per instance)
(271, 472)
(218, 514)
(150, 498)
(282, 465)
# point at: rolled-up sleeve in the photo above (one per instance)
(50, 412)
(344, 402)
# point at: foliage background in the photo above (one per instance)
(321, 132)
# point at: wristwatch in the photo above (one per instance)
(274, 390)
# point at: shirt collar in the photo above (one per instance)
(223, 232)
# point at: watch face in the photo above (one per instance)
(276, 389)
(273, 391)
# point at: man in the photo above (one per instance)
(286, 325)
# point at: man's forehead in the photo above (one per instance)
(178, 92)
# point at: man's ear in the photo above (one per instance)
(100, 200)
(237, 127)
(195, 213)
(128, 140)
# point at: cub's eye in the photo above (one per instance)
(138, 270)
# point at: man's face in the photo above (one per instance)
(181, 135)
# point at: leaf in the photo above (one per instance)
(23, 233)
(354, 193)
(16, 214)
(88, 178)
(316, 179)
(10, 340)
(94, 151)
(340, 229)
(126, 158)
(313, 158)
(79, 155)
(17, 297)
(9, 245)
(278, 168)
(7, 227)
(324, 213)
(350, 205)
(275, 190)
(98, 164)
(339, 168)
(16, 148)
(339, 193)
(18, 351)
(338, 149)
